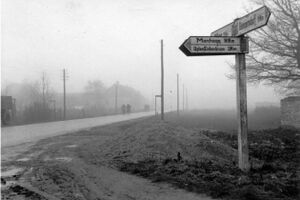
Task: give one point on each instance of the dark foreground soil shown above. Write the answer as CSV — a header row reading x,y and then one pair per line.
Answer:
x,y
274,172
102,163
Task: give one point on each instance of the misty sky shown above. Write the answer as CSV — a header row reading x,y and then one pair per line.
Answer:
x,y
119,40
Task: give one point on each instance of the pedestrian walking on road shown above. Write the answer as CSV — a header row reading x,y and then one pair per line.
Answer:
x,y
123,109
128,108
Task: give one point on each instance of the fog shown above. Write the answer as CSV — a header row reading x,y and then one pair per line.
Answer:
x,y
119,40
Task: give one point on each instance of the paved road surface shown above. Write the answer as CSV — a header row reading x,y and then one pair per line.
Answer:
x,y
15,135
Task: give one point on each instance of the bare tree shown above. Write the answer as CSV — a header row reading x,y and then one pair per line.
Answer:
x,y
46,92
274,56
95,95
95,87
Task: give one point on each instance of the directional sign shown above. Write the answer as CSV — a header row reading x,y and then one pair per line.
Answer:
x,y
207,45
224,31
245,24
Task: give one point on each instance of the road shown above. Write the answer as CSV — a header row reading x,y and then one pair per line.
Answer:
x,y
106,183
15,135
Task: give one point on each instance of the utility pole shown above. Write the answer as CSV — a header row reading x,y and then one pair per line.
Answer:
x,y
186,99
116,96
64,81
44,88
162,79
178,95
182,97
155,105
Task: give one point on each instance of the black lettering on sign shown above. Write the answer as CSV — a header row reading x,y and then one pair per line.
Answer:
x,y
228,40
232,49
243,25
209,40
208,48
260,18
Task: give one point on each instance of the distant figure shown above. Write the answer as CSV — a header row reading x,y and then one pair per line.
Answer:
x,y
128,108
123,109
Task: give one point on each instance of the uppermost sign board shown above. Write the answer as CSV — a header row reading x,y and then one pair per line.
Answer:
x,y
245,24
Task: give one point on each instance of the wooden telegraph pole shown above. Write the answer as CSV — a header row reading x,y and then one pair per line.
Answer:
x,y
182,97
116,97
186,99
64,81
177,94
155,105
230,40
162,80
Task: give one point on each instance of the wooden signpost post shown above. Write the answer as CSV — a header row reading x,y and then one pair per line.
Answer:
x,y
230,40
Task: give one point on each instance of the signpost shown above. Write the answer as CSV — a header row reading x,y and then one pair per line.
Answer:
x,y
224,31
245,24
224,41
207,45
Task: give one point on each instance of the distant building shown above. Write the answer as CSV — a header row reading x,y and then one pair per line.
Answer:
x,y
290,111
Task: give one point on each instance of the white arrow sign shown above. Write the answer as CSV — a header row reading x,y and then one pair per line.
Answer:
x,y
206,45
245,24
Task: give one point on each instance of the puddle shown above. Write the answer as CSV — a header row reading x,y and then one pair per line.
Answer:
x,y
71,146
8,184
10,153
11,172
23,159
64,159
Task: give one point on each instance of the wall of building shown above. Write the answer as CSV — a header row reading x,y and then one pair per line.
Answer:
x,y
290,111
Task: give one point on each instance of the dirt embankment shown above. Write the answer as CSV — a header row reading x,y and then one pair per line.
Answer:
x,y
84,165
274,158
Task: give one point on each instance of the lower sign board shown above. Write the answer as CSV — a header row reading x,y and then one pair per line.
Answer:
x,y
207,45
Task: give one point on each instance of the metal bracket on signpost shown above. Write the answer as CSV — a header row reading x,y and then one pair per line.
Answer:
x,y
245,44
